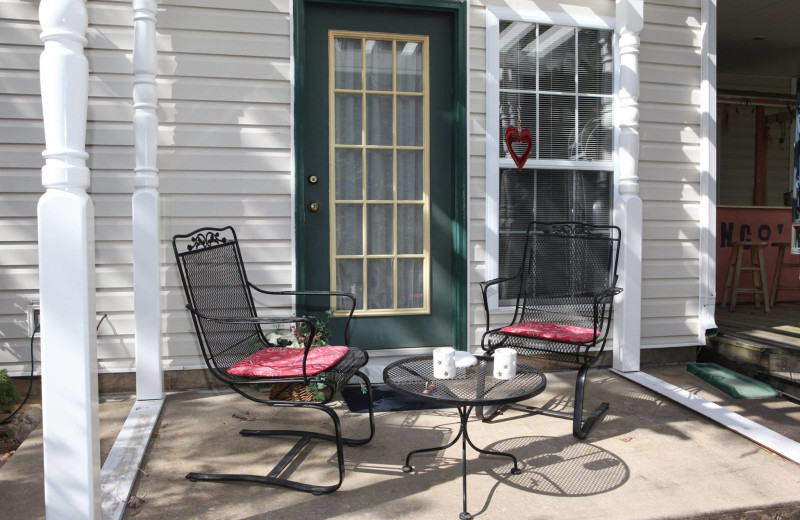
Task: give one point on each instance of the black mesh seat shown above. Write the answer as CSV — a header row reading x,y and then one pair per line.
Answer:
x,y
566,288
220,300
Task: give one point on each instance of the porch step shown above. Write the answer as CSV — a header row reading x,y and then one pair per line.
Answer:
x,y
772,363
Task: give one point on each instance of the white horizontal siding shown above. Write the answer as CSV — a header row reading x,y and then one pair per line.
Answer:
x,y
224,157
669,171
21,146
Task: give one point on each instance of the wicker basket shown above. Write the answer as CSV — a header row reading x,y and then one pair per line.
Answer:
x,y
290,392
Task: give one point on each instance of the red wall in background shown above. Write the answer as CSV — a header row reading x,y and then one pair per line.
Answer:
x,y
769,225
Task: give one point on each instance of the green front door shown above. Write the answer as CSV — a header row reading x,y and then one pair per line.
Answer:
x,y
380,184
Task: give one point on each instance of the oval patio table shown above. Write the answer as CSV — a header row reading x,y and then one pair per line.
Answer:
x,y
472,386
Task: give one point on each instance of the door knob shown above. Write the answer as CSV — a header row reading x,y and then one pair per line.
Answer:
x,y
313,207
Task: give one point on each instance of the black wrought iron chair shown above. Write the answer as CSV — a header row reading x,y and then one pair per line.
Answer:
x,y
566,288
236,350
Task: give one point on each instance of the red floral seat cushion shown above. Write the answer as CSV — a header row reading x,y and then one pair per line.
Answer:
x,y
553,331
287,362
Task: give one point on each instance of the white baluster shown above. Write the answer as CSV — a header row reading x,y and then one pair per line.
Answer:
x,y
66,271
628,208
146,210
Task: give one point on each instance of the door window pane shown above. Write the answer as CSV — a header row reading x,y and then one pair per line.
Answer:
x,y
409,121
409,67
379,119
348,229
409,282
348,119
380,229
348,174
409,175
380,184
350,278
348,63
380,283
379,65
410,229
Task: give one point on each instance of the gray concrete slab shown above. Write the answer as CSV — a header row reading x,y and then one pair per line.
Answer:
x,y
646,458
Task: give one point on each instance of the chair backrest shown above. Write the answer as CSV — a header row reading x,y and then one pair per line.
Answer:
x,y
564,265
215,283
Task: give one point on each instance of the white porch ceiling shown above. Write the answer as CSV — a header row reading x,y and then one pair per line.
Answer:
x,y
741,25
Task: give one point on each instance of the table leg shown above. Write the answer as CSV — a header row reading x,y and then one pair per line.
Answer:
x,y
408,468
515,471
464,414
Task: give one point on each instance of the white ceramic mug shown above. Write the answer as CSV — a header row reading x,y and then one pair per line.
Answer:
x,y
444,363
505,363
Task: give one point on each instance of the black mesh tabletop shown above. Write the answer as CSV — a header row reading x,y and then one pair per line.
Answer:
x,y
472,386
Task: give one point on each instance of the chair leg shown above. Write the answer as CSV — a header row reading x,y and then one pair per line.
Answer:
x,y
364,440
489,413
272,478
736,275
729,279
580,427
762,272
776,281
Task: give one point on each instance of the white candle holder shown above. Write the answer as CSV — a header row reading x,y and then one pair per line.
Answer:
x,y
444,363
504,364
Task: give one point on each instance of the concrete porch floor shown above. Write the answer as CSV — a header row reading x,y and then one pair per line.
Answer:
x,y
647,458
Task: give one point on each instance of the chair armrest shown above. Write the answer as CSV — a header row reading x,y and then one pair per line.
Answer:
x,y
264,320
254,320
488,283
606,294
351,296
484,289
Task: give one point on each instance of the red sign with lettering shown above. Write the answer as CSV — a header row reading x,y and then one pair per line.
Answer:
x,y
771,225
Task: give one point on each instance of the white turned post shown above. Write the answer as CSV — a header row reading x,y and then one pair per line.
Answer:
x,y
628,207
66,271
146,211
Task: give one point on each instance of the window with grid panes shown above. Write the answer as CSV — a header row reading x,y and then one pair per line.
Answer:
x,y
556,81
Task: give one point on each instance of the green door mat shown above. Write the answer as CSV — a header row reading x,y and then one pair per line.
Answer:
x,y
732,383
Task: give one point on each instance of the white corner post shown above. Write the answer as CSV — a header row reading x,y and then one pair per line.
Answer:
x,y
146,211
66,271
628,206
708,171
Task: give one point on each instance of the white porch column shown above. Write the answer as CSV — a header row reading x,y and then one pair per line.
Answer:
x,y
146,211
628,208
66,271
708,169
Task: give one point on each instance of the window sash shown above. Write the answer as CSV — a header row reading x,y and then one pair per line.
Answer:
x,y
495,163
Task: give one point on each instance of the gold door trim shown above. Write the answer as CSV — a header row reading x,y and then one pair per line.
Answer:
x,y
364,309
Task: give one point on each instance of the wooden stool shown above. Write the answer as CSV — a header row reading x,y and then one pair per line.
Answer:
x,y
779,265
735,269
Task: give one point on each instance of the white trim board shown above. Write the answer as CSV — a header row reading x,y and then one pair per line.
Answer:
x,y
122,464
767,438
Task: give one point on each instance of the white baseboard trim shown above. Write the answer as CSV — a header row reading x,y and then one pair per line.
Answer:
x,y
767,438
122,464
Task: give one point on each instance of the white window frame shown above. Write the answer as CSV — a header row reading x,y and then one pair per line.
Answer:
x,y
494,15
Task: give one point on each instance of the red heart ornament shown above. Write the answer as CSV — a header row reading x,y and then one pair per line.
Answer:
x,y
519,135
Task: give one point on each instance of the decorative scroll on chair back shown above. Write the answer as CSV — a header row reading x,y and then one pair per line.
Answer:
x,y
215,283
565,264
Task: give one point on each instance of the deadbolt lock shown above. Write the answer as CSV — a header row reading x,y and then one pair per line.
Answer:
x,y
313,179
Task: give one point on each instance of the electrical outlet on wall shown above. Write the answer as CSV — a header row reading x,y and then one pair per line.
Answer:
x,y
33,316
